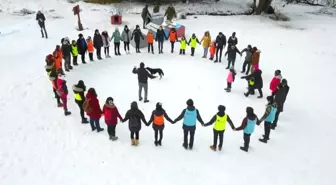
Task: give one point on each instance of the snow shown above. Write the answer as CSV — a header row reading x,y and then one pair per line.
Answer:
x,y
39,145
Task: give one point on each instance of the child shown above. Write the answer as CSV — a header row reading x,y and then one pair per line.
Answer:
x,y
189,115
212,50
230,79
150,40
157,118
117,38
52,74
232,53
269,117
220,120
90,47
206,43
57,54
111,115
275,81
74,52
248,125
193,42
183,45
62,92
172,38
106,44
135,116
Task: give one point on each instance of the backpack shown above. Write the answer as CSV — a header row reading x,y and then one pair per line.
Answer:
x,y
86,106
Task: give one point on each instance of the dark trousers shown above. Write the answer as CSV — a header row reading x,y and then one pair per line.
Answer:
x,y
98,52
186,132
251,91
275,122
111,130
182,51
137,45
220,50
83,57
231,61
267,128
247,140
217,134
67,62
192,51
117,48
74,60
107,51
248,64
126,46
136,134
229,85
91,56
160,44
43,31
150,47
95,124
172,46
158,135
81,110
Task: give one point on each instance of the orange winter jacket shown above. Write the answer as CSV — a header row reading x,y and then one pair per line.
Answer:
x,y
90,46
212,48
255,57
150,38
58,59
172,36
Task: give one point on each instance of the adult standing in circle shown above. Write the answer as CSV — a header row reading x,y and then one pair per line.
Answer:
x,y
98,43
82,47
143,76
136,35
79,90
160,37
220,45
126,38
41,21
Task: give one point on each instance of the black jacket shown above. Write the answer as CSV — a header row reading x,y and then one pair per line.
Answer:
x,y
40,18
258,81
143,75
181,116
220,41
280,97
97,41
66,50
232,53
82,46
136,35
135,116
160,36
232,41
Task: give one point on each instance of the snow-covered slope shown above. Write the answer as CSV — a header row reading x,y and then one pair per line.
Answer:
x,y
40,146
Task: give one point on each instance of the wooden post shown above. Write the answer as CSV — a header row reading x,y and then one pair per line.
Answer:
x,y
76,11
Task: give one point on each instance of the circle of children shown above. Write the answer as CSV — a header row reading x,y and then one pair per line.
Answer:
x,y
89,103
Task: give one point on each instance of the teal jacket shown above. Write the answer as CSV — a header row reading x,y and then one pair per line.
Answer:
x,y
116,36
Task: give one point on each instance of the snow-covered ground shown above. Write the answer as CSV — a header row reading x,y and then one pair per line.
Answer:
x,y
39,146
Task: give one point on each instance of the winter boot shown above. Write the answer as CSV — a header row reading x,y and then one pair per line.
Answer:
x,y
136,142
133,142
140,99
85,121
244,149
220,148
114,138
146,101
156,143
67,113
110,137
260,97
185,146
212,147
216,61
59,105
190,147
159,143
264,137
100,129
264,140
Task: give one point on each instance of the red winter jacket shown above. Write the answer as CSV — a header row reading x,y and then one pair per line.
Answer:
x,y
111,114
60,88
274,83
94,103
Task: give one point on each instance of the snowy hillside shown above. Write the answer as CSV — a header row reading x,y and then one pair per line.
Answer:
x,y
40,146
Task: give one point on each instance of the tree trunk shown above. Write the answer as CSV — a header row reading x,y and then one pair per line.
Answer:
x,y
262,6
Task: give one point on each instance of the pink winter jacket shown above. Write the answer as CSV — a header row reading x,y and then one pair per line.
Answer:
x,y
230,77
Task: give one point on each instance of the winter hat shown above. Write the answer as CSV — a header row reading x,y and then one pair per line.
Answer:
x,y
221,108
158,106
80,83
190,102
142,65
277,72
96,30
109,100
134,105
234,34
80,35
73,42
270,99
284,81
220,33
88,38
137,26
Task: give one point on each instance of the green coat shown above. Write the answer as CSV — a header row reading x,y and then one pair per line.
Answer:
x,y
117,37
